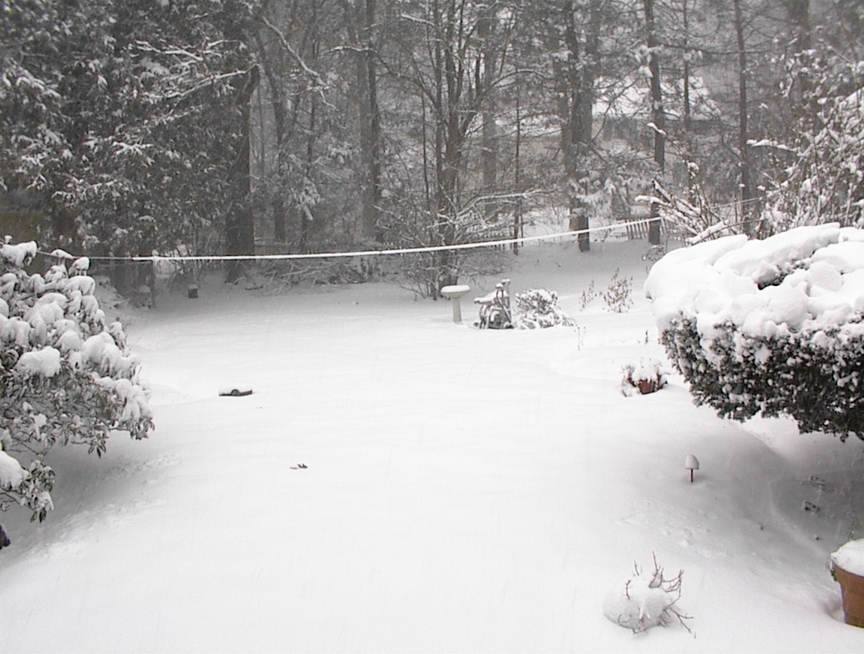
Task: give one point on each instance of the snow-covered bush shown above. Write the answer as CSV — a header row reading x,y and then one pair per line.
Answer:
x,y
618,296
539,308
645,600
769,327
66,376
821,172
587,296
645,377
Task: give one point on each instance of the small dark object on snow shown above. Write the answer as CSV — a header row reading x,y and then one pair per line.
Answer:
x,y
4,539
299,466
235,391
810,507
193,291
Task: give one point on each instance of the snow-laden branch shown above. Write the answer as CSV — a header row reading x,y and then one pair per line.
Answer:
x,y
320,84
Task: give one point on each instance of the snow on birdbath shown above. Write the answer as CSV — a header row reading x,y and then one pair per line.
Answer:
x,y
691,463
453,293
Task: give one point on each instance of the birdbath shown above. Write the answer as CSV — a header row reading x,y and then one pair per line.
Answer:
x,y
453,293
691,464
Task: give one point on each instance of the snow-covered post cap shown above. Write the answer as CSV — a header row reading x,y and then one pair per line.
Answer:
x,y
453,293
691,463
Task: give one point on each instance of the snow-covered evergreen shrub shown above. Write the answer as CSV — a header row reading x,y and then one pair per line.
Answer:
x,y
539,308
66,376
772,327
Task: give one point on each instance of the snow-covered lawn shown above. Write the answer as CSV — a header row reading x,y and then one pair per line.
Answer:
x,y
400,483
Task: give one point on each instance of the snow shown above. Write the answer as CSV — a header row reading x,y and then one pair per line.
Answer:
x,y
457,290
808,278
17,254
640,603
44,362
11,472
398,482
850,557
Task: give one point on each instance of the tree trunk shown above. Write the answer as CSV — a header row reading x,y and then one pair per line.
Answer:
x,y
517,170
743,154
278,105
369,113
576,103
489,154
239,223
658,115
688,132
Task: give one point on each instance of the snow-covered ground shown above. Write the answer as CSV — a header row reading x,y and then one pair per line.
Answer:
x,y
400,483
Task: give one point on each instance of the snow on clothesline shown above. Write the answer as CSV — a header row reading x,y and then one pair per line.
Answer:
x,y
155,258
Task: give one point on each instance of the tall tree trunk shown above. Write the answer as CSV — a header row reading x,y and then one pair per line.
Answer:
x,y
743,154
239,223
489,154
576,104
517,170
688,131
658,114
279,107
366,60
802,101
305,209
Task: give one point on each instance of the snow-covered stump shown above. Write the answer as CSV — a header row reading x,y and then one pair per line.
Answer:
x,y
454,294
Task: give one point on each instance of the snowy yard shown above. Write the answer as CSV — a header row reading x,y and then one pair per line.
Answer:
x,y
400,483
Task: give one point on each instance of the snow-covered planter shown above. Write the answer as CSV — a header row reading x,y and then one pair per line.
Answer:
x,y
647,599
66,376
847,566
539,308
769,327
645,377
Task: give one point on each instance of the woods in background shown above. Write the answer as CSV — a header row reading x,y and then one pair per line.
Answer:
x,y
210,126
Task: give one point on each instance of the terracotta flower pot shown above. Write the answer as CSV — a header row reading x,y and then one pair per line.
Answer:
x,y
852,589
646,386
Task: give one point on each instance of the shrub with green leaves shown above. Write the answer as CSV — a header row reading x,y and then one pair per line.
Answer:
x,y
66,375
538,307
771,327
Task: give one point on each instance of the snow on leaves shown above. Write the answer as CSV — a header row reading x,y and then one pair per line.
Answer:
x,y
769,327
66,376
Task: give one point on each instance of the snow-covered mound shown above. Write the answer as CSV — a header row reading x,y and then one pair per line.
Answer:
x,y
805,279
771,327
